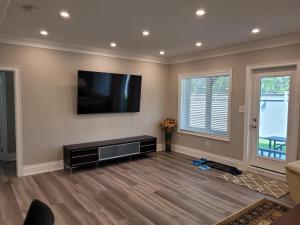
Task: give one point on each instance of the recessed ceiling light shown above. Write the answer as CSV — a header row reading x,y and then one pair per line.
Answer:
x,y
65,14
255,30
198,44
200,12
113,45
162,52
146,33
44,32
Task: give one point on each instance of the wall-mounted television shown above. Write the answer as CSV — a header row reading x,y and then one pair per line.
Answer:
x,y
100,92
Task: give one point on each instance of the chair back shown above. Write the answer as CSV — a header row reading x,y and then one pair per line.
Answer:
x,y
39,214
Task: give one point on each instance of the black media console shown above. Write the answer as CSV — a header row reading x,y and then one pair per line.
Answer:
x,y
79,155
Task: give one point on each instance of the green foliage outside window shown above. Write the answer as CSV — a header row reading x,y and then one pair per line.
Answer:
x,y
275,85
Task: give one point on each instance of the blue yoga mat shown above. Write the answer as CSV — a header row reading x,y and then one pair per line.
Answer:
x,y
199,164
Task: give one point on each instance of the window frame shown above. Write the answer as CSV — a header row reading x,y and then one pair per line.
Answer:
x,y
201,75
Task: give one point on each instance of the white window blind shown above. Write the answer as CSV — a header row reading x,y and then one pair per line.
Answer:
x,y
204,104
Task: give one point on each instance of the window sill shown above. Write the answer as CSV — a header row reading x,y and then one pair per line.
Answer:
x,y
204,135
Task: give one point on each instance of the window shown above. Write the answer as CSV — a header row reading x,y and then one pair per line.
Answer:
x,y
205,105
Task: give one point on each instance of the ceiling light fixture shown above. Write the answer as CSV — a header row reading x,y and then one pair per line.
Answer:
x,y
113,45
146,33
162,52
198,44
65,14
44,32
200,12
255,30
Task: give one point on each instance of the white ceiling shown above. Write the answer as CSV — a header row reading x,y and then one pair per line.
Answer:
x,y
173,24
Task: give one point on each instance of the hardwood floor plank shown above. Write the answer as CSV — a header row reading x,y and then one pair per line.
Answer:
x,y
10,210
156,190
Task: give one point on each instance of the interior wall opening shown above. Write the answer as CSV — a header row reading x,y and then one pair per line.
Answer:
x,y
7,126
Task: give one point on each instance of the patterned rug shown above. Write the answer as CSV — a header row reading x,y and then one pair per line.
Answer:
x,y
263,212
266,185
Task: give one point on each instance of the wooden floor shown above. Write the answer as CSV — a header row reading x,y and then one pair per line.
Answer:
x,y
7,171
163,189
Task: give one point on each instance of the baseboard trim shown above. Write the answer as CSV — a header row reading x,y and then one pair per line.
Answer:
x,y
227,161
202,154
55,165
42,168
58,165
160,147
267,173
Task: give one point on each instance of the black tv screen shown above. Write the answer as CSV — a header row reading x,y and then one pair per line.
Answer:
x,y
108,92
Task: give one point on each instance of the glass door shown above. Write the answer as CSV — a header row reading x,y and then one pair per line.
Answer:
x,y
270,120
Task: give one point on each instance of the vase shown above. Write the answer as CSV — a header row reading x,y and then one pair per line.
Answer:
x,y
168,138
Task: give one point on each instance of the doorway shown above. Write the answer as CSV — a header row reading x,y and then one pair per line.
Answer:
x,y
272,118
7,126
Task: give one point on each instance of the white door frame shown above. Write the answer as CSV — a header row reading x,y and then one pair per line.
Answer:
x,y
18,117
293,107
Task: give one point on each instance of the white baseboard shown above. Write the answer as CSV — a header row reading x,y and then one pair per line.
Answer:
x,y
227,161
160,147
42,168
267,173
202,154
56,165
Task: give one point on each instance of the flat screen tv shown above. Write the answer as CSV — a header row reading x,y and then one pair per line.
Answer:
x,y
108,92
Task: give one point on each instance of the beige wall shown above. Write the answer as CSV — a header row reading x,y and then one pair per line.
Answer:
x,y
48,82
237,62
48,85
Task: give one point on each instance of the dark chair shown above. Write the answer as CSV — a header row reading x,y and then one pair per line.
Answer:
x,y
39,214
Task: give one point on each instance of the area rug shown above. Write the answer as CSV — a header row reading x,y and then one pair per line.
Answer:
x,y
266,185
263,212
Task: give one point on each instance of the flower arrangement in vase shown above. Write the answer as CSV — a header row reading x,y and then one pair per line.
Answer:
x,y
168,125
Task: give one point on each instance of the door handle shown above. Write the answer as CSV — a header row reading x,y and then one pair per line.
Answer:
x,y
253,126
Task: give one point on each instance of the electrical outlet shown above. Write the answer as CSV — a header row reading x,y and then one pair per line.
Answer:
x,y
242,109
